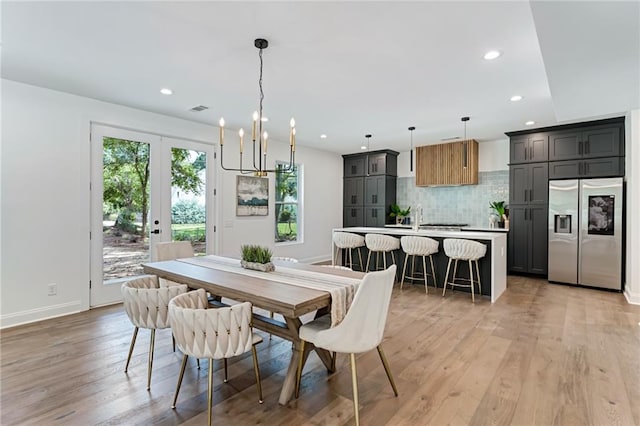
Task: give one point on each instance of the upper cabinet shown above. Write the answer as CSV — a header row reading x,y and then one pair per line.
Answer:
x,y
528,148
588,142
355,165
453,163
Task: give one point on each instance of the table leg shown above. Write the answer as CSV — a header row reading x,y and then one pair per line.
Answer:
x,y
289,385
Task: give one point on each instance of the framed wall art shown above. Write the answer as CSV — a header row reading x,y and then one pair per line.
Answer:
x,y
252,196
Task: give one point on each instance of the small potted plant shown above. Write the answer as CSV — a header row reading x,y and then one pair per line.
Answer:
x,y
399,213
257,258
500,209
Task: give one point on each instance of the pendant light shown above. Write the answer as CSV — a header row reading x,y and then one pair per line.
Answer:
x,y
465,145
411,129
368,136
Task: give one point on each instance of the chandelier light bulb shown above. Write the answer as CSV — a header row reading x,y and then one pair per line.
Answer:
x,y
221,122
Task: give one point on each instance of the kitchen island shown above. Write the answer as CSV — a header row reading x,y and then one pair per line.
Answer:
x,y
493,266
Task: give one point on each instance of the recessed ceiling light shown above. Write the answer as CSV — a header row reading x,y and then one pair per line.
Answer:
x,y
516,98
363,147
492,54
530,123
166,91
323,136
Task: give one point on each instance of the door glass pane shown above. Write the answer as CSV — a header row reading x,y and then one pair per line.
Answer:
x,y
125,207
188,202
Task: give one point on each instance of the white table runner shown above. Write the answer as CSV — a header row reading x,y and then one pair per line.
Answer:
x,y
342,289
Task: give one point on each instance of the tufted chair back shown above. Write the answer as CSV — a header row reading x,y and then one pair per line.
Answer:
x,y
464,249
146,304
210,333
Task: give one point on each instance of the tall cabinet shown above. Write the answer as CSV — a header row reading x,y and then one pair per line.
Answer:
x,y
369,187
575,151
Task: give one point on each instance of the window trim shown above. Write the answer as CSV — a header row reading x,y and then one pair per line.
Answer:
x,y
299,204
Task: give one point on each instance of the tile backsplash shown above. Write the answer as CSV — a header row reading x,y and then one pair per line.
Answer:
x,y
456,204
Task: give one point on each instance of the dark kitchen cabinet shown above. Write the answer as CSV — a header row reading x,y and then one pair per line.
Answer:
x,y
353,216
369,187
529,183
588,142
353,191
355,166
528,148
591,168
528,239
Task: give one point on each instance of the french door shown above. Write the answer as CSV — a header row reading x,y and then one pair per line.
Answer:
x,y
145,188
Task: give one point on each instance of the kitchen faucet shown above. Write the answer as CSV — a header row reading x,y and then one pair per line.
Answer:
x,y
417,216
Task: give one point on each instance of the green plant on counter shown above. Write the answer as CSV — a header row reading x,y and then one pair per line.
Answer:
x,y
396,211
500,208
255,254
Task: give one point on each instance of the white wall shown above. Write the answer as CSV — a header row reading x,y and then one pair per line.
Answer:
x,y
45,197
492,156
632,143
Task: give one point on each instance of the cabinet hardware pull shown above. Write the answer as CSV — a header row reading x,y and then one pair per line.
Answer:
x,y
586,168
580,147
580,168
587,148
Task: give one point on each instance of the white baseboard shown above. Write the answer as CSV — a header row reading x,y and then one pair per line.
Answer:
x,y
632,298
39,314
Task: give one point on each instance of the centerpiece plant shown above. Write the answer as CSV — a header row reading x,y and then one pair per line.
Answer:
x,y
256,257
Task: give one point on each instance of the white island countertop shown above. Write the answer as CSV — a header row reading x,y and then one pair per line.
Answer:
x,y
498,248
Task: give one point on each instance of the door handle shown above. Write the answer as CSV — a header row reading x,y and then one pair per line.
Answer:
x,y
580,147
354,199
587,148
156,231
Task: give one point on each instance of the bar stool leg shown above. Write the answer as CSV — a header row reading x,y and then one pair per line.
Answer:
x,y
424,272
350,257
478,275
404,270
335,258
473,299
433,272
455,272
368,259
384,259
446,277
359,257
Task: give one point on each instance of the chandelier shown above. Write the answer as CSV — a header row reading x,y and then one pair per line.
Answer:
x,y
259,167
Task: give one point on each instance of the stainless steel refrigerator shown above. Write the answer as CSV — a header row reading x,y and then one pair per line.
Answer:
x,y
585,232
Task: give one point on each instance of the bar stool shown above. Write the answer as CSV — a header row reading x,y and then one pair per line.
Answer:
x,y
471,251
378,243
423,247
348,241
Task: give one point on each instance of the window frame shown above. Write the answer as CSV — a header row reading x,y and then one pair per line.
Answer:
x,y
298,203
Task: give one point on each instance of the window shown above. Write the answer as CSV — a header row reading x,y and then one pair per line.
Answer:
x,y
288,225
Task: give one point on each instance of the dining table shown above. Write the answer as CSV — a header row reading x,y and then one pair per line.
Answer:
x,y
292,290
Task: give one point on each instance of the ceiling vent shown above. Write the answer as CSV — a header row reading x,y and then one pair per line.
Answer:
x,y
199,108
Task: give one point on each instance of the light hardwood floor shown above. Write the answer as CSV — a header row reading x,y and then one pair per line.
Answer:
x,y
543,354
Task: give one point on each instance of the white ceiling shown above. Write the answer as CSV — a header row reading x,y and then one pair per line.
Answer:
x,y
341,68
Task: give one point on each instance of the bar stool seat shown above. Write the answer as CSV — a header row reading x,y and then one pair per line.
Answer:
x,y
348,241
381,244
423,247
465,250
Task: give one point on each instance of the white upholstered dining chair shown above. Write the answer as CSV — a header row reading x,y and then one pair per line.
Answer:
x,y
147,306
213,333
171,250
360,331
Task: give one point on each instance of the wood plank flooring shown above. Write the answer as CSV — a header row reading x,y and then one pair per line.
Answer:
x,y
544,354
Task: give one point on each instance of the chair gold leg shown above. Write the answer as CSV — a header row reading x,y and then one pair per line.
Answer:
x,y
387,370
446,277
184,364
350,258
473,297
433,272
210,392
368,259
333,362
133,343
256,370
151,344
354,381
360,258
478,275
299,372
198,362
424,273
226,377
173,340
404,270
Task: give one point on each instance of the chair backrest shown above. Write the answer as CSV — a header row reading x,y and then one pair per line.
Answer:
x,y
421,246
210,333
172,250
380,242
457,248
362,328
348,240
146,304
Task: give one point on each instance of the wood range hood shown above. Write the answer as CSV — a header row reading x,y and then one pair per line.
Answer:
x,y
447,164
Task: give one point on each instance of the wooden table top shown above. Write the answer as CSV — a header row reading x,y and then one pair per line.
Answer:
x,y
286,299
